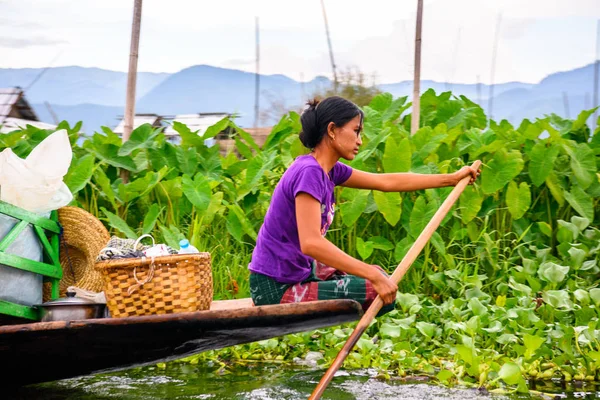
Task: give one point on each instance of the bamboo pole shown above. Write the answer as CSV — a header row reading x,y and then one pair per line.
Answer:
x,y
493,68
396,277
416,104
257,80
335,78
131,77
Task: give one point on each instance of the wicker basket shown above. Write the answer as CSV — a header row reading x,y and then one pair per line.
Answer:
x,y
167,284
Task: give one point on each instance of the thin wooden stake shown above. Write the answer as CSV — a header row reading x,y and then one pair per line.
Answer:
x,y
596,73
416,103
131,77
396,277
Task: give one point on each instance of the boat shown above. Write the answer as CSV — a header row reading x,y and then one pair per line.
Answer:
x,y
47,351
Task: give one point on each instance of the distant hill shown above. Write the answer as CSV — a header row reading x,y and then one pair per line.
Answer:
x,y
97,96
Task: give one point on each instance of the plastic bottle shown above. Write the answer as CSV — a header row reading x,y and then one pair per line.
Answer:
x,y
186,248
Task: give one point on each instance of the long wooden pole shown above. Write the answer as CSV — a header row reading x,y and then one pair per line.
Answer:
x,y
493,68
257,80
596,73
416,103
335,77
132,77
396,277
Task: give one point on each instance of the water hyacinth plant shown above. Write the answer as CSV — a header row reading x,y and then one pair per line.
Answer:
x,y
506,290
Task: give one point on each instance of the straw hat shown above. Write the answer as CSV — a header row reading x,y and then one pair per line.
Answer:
x,y
83,238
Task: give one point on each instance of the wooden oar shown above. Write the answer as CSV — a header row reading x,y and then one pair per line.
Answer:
x,y
401,269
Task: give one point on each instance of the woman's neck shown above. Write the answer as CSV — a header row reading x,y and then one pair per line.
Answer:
x,y
325,157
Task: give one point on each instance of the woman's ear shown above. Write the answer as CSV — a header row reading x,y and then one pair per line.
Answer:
x,y
331,130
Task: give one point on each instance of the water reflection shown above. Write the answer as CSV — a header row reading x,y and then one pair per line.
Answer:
x,y
262,382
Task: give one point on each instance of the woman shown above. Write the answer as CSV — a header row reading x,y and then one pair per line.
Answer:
x,y
292,260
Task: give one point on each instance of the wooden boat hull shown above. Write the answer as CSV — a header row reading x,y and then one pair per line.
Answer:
x,y
48,351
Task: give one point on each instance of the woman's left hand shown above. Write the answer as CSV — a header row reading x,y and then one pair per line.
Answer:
x,y
467,171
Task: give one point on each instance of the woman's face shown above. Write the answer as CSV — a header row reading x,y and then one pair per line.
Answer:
x,y
346,140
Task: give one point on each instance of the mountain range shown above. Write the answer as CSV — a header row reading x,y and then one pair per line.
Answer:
x,y
97,97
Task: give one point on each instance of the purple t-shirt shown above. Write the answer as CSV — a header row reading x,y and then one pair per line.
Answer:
x,y
277,253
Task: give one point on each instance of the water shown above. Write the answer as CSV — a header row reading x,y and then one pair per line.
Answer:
x,y
259,382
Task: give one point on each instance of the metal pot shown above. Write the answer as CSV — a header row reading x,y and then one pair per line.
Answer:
x,y
70,308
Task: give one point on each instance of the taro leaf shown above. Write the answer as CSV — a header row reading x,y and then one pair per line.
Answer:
x,y
503,168
188,160
368,150
215,129
470,204
197,191
494,327
355,204
172,236
390,330
141,138
558,299
118,223
595,296
506,338
545,228
518,199
381,102
402,248
583,116
243,148
465,353
150,218
583,164
519,287
234,227
390,205
257,167
365,249
243,220
551,272
142,186
581,202
532,343
438,243
188,138
80,172
397,156
421,215
381,243
567,231
104,183
541,162
395,109
427,329
555,188
248,139
444,375
510,373
108,153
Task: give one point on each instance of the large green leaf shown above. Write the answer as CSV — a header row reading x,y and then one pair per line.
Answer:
x,y
390,205
504,167
150,219
215,129
510,373
355,204
118,223
141,138
470,203
581,202
422,213
80,172
197,191
552,272
555,188
583,163
188,160
243,220
188,138
541,162
381,102
397,156
518,199
365,249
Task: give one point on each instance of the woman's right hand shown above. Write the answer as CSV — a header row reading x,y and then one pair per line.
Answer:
x,y
385,288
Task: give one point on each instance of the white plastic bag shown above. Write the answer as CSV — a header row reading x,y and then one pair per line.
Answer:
x,y
36,183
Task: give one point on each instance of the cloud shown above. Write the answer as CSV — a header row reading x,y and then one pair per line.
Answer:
x,y
18,43
14,23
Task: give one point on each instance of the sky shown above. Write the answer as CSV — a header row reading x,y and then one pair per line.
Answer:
x,y
535,37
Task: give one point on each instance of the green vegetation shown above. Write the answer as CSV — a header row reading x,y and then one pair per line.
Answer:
x,y
506,290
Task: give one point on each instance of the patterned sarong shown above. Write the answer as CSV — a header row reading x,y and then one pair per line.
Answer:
x,y
324,283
